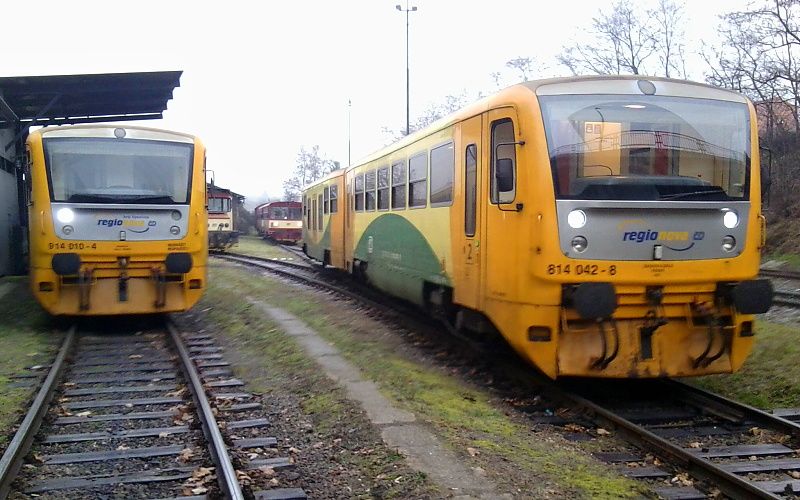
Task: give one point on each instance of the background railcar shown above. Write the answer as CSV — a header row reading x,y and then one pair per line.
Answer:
x,y
324,211
222,233
117,219
604,226
280,220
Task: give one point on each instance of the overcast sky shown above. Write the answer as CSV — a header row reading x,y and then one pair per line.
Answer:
x,y
261,79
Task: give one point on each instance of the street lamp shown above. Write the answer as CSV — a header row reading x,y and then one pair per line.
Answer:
x,y
408,112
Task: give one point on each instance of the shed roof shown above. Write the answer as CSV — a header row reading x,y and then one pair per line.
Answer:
x,y
67,99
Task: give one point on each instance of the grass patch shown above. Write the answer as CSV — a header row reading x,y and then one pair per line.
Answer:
x,y
770,378
789,260
258,247
463,416
25,340
282,367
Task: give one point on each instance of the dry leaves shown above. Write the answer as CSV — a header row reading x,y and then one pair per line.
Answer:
x,y
602,432
682,479
186,454
473,452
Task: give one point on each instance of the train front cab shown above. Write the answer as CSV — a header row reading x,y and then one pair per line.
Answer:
x,y
222,234
323,220
616,275
90,258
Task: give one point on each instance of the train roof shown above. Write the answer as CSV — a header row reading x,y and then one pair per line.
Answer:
x,y
214,191
593,84
79,130
332,175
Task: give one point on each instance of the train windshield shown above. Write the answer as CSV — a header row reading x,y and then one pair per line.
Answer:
x,y
620,147
285,213
100,170
219,205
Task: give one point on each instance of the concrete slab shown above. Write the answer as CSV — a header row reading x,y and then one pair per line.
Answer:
x,y
422,449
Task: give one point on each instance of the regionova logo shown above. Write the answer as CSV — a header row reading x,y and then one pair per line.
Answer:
x,y
133,224
679,241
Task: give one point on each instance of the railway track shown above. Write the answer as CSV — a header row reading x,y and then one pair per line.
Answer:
x,y
725,446
129,416
739,450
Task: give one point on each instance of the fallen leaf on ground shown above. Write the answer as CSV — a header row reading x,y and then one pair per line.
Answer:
x,y
602,432
473,452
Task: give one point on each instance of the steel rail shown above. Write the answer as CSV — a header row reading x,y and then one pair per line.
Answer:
x,y
267,260
775,273
11,460
730,484
722,406
226,474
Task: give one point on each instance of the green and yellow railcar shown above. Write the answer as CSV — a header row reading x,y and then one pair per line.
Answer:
x,y
604,226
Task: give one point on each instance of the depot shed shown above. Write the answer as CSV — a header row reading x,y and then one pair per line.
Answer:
x,y
28,101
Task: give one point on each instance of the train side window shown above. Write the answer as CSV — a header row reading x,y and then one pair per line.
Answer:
x,y
418,180
360,193
334,194
442,175
503,133
308,212
470,188
319,212
383,188
313,215
326,200
369,182
399,185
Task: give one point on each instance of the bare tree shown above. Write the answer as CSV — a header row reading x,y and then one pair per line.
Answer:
x,y
624,39
630,39
525,65
310,167
668,36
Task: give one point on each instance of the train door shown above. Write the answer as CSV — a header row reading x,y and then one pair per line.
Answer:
x,y
467,250
503,228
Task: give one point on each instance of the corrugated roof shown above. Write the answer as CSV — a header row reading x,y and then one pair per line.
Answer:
x,y
67,99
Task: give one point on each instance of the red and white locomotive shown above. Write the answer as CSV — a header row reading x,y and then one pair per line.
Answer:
x,y
280,220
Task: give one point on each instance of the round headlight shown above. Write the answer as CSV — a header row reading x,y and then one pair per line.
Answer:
x,y
730,219
176,215
728,243
65,215
67,230
576,219
175,230
579,243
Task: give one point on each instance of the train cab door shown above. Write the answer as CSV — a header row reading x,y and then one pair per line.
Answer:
x,y
468,249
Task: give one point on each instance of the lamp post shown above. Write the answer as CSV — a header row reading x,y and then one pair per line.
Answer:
x,y
349,110
408,109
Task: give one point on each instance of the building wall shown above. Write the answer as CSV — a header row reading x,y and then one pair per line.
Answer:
x,y
9,206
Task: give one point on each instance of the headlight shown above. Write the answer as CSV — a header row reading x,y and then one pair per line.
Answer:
x,y
175,230
67,230
579,244
730,219
728,243
65,215
576,219
176,215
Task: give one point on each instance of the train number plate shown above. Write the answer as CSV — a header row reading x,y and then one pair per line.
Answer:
x,y
72,245
581,269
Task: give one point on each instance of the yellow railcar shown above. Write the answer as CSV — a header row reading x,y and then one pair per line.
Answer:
x,y
324,211
604,226
118,220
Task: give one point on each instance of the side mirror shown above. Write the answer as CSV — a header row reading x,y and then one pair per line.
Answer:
x,y
504,175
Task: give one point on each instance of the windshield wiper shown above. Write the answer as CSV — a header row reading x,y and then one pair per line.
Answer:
x,y
675,196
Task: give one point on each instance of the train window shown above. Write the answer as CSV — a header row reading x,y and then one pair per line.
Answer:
x,y
313,214
418,180
334,193
360,193
442,174
327,200
470,188
308,212
369,181
383,188
399,185
502,149
319,212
